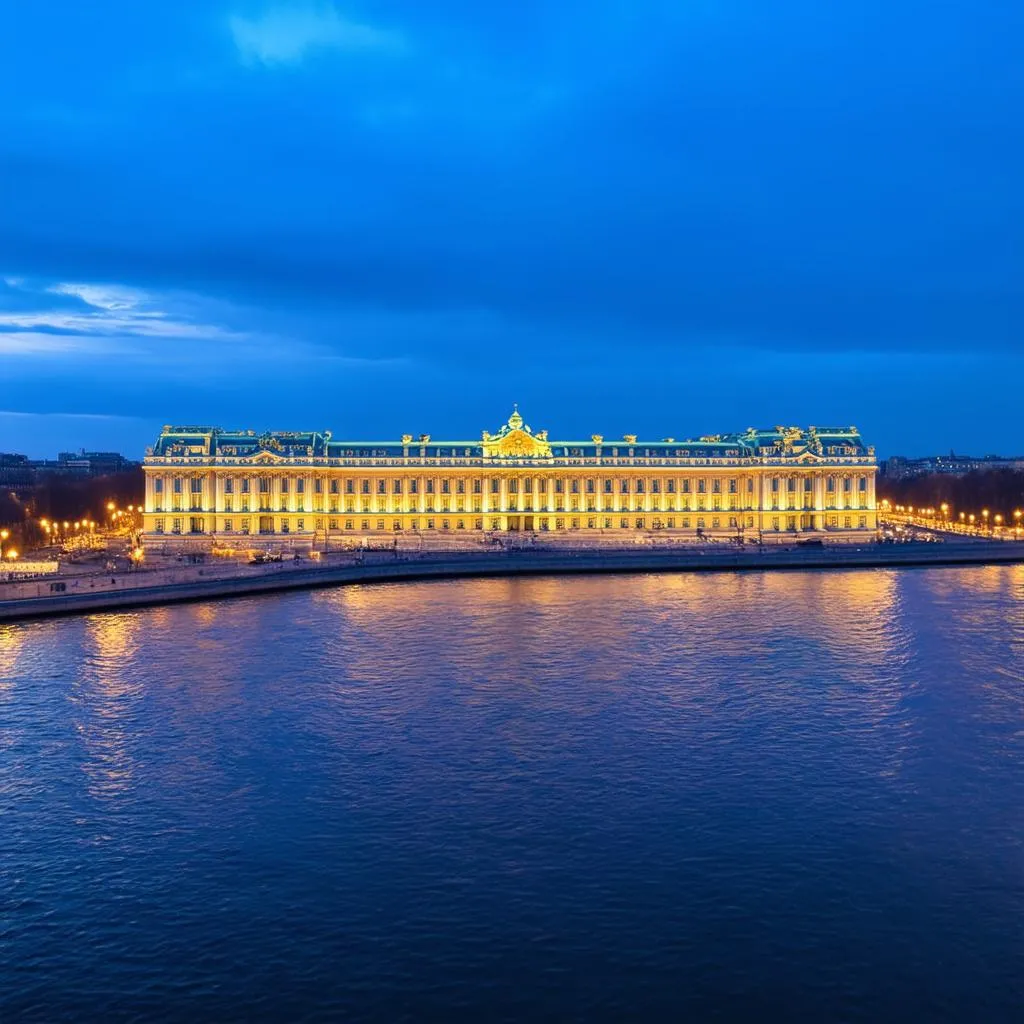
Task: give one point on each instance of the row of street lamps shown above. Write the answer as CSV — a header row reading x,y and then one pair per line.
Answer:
x,y
966,522
75,530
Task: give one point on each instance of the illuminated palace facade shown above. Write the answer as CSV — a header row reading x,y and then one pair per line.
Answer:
x,y
207,487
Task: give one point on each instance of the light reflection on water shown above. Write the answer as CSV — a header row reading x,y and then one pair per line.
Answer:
x,y
794,794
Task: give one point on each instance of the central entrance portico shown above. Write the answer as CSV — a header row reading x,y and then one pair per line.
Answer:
x,y
521,524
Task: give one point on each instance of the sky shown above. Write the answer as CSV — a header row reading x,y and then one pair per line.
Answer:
x,y
379,218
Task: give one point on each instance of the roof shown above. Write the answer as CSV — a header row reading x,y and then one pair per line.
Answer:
x,y
514,439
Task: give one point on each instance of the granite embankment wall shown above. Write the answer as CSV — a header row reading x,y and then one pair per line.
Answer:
x,y
104,592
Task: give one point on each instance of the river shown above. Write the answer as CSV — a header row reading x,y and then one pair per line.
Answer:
x,y
741,796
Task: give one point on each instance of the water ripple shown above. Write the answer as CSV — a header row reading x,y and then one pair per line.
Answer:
x,y
718,797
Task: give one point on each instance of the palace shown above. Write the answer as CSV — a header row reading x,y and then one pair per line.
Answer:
x,y
299,490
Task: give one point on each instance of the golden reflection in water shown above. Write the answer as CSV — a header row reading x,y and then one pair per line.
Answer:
x,y
851,614
685,642
12,643
106,695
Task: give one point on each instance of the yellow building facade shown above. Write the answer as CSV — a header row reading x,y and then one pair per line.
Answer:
x,y
207,487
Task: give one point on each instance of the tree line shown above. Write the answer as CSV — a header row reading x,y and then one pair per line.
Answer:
x,y
1001,491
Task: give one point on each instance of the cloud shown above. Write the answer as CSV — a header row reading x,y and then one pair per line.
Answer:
x,y
102,416
284,35
97,319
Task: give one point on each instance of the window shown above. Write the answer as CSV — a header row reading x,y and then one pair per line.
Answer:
x,y
284,485
227,525
862,483
670,486
775,485
160,526
318,485
300,485
624,487
414,487
430,487
607,487
300,525
700,486
686,487
264,485
229,486
245,526
177,485
245,485
445,487
716,486
364,486
495,486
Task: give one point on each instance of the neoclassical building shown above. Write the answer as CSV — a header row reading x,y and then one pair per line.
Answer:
x,y
206,487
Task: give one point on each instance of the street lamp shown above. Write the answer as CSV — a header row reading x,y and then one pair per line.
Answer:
x,y
4,534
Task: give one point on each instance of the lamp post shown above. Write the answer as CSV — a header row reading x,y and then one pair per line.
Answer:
x,y
984,515
4,534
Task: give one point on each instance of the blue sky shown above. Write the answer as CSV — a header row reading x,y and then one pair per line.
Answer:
x,y
396,217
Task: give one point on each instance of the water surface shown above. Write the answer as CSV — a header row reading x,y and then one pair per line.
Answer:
x,y
726,797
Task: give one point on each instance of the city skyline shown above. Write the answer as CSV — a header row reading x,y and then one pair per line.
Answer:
x,y
630,220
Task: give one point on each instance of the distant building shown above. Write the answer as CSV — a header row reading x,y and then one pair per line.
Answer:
x,y
296,489
94,463
20,471
899,467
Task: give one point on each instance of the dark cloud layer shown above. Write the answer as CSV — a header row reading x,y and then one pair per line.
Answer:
x,y
771,194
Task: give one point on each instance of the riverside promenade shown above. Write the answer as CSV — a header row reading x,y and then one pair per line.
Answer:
x,y
106,591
